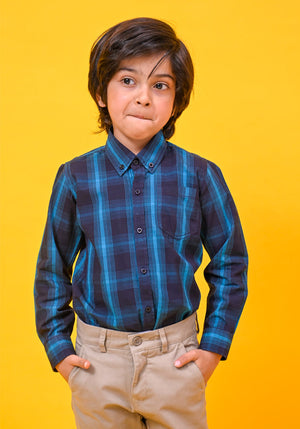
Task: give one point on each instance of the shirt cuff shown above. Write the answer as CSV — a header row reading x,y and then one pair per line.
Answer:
x,y
216,341
57,349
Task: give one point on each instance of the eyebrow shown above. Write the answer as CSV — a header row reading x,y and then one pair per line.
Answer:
x,y
160,75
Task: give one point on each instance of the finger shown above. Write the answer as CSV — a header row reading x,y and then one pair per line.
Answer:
x,y
185,358
80,362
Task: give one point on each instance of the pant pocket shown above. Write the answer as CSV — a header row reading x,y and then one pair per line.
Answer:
x,y
189,344
80,351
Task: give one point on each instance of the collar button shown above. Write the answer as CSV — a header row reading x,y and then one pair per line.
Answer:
x,y
151,165
121,167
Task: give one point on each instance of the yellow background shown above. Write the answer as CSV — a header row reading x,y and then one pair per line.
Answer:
x,y
243,116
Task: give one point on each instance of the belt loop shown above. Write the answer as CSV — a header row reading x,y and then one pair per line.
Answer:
x,y
164,341
102,340
197,324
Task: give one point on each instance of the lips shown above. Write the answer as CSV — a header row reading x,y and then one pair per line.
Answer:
x,y
137,116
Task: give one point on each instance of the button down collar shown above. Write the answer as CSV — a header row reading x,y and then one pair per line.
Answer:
x,y
150,156
118,154
153,152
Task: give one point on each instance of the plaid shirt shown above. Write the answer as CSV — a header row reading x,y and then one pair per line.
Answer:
x,y
137,224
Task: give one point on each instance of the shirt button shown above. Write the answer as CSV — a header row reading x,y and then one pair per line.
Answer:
x,y
143,270
137,341
139,230
137,192
151,165
121,167
148,309
136,161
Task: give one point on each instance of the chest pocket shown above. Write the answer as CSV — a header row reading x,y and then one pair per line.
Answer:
x,y
179,214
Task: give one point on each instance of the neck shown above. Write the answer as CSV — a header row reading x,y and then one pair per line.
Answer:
x,y
135,146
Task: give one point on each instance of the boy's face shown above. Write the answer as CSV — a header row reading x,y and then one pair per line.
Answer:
x,y
140,99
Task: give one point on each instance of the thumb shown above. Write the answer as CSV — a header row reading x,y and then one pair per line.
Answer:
x,y
185,358
80,362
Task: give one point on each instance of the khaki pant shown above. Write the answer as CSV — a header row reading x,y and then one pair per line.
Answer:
x,y
132,382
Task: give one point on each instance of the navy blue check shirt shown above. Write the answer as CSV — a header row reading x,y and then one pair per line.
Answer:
x,y
137,225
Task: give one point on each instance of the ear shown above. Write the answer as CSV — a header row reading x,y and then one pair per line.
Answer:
x,y
100,101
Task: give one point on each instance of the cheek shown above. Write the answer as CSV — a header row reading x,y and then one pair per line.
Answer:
x,y
117,102
166,109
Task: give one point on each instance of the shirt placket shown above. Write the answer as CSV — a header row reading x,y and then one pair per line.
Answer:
x,y
141,244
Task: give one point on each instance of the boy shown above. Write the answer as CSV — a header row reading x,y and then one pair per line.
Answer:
x,y
136,212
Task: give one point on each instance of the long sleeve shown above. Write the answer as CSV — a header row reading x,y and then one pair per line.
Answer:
x,y
226,274
53,289
139,246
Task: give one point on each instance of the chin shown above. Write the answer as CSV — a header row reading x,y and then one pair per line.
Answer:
x,y
141,136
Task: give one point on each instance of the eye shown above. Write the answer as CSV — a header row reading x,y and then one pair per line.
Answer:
x,y
127,81
161,85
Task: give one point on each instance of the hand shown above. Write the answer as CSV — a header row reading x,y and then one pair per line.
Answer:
x,y
205,361
65,366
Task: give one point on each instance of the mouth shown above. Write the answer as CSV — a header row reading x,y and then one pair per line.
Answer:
x,y
144,118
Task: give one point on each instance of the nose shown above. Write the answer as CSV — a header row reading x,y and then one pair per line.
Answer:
x,y
143,97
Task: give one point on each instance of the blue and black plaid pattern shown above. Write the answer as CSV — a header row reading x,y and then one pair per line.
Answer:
x,y
137,224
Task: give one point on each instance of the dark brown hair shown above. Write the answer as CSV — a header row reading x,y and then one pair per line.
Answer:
x,y
133,38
